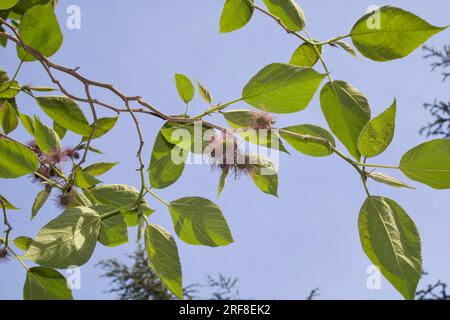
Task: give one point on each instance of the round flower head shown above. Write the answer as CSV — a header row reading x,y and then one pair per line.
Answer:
x,y
71,153
4,255
261,120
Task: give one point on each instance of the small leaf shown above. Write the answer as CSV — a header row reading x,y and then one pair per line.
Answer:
x,y
16,160
308,147
344,45
27,123
265,176
119,196
384,178
204,93
6,203
9,89
40,30
185,87
66,113
99,168
378,133
67,240
60,130
46,284
289,12
282,88
167,162
187,136
347,111
113,231
104,125
46,138
429,163
222,181
23,243
390,33
8,118
199,221
235,15
163,255
131,216
84,180
40,200
306,55
390,239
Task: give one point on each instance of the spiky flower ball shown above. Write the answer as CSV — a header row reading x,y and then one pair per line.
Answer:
x,y
4,255
71,153
261,120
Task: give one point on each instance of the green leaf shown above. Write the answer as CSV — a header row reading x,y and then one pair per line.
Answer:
x,y
265,175
163,255
3,76
163,170
9,90
24,5
40,200
187,136
84,180
306,55
204,93
397,34
199,221
282,88
16,160
344,45
378,133
235,15
104,125
222,181
46,284
8,118
46,138
347,111
7,204
113,231
131,216
308,147
7,4
60,130
244,119
99,168
384,178
40,30
185,87
390,239
68,240
66,113
23,243
289,12
429,163
27,123
119,196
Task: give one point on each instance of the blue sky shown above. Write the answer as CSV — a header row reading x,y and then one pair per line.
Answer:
x,y
284,247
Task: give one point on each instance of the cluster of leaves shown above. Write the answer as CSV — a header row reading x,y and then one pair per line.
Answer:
x,y
96,212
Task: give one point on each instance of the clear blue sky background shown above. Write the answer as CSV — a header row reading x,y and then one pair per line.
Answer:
x,y
284,247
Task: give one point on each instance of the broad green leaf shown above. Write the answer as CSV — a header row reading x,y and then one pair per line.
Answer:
x,y
104,125
9,90
99,168
119,196
244,119
27,123
113,231
8,205
185,87
40,200
46,284
289,12
60,130
308,147
204,93
167,162
46,138
199,221
347,111
429,163
23,243
68,240
378,133
344,45
66,113
40,30
235,15
306,55
24,5
190,137
7,4
84,180
390,239
8,117
265,176
386,179
16,160
163,255
80,199
222,181
390,33
282,88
